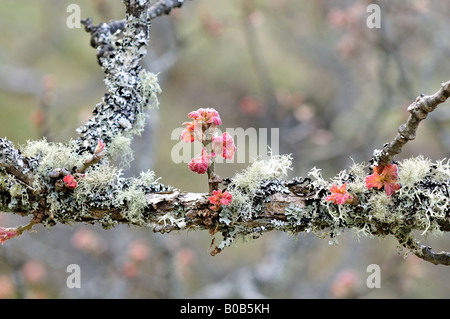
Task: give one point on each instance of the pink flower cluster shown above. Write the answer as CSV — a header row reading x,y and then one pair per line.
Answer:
x,y
224,145
386,177
339,195
218,199
201,163
203,121
100,150
201,129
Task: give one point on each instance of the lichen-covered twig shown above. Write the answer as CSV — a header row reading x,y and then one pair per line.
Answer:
x,y
262,201
122,108
14,163
419,110
442,258
425,252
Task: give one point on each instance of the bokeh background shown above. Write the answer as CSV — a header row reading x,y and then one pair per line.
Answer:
x,y
334,88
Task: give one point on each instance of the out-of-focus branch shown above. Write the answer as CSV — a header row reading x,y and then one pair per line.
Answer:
x,y
164,7
419,110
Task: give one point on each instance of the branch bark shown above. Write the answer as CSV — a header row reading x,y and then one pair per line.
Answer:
x,y
30,186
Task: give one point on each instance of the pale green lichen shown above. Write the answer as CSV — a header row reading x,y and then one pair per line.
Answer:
x,y
101,186
413,170
133,198
51,156
381,209
149,87
318,180
421,203
148,178
96,187
16,189
246,182
242,188
260,170
171,219
359,172
441,170
119,149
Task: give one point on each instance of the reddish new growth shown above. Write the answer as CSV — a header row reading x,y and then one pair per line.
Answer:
x,y
387,177
224,145
203,121
218,199
201,163
8,233
70,182
339,195
202,129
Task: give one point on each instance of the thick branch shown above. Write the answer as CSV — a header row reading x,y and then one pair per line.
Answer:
x,y
293,206
121,108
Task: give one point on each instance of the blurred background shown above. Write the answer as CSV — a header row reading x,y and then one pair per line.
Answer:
x,y
334,88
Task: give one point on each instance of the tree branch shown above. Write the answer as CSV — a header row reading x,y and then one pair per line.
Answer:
x,y
419,110
425,252
33,180
14,163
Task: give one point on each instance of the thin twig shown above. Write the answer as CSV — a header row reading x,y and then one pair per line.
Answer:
x,y
163,7
425,252
419,110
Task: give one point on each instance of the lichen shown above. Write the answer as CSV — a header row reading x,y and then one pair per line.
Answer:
x,y
149,88
245,183
248,201
358,171
172,219
102,186
50,156
420,204
17,190
441,170
413,170
132,198
260,170
119,149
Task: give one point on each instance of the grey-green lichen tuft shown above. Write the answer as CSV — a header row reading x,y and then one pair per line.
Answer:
x,y
101,188
250,188
422,203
